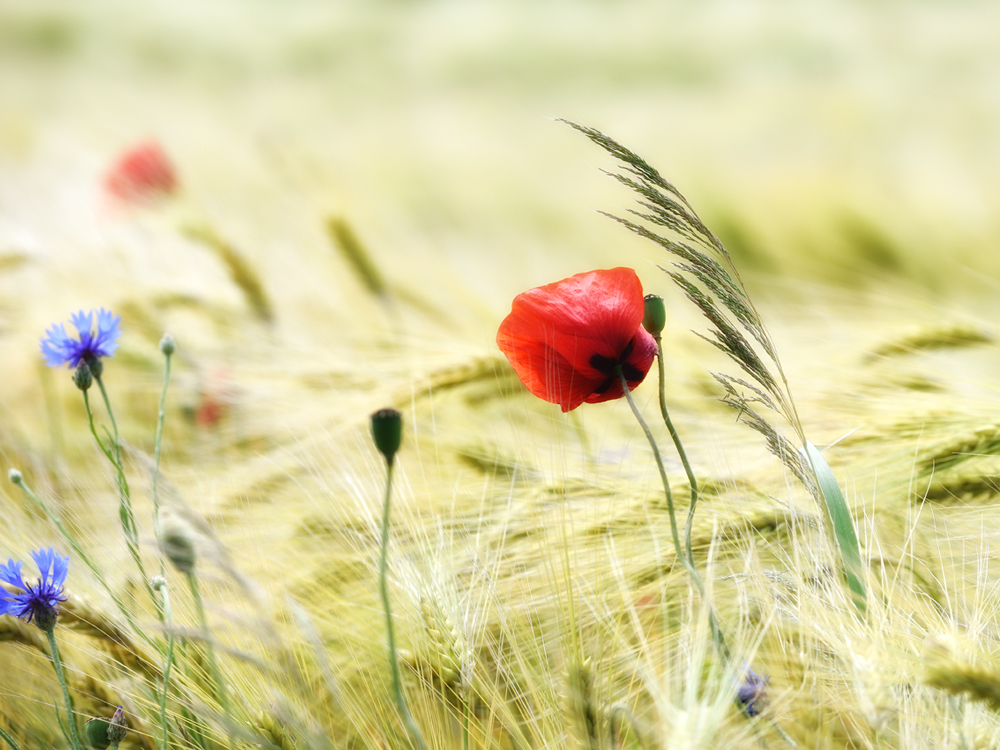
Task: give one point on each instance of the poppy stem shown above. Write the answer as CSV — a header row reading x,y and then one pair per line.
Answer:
x,y
692,482
397,680
717,637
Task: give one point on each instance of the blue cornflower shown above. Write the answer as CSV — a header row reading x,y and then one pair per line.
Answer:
x,y
59,348
38,602
751,692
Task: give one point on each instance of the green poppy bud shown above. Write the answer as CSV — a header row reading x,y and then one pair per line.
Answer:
x,y
656,314
387,431
15,476
83,378
177,542
97,733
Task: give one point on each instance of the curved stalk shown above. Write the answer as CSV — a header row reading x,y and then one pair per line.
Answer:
x,y
717,637
692,482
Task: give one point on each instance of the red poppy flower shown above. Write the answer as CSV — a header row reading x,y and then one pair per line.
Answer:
x,y
141,174
565,339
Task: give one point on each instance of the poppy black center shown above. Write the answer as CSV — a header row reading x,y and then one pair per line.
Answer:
x,y
607,365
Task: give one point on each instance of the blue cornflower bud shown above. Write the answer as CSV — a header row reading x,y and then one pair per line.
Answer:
x,y
117,729
167,345
751,693
83,377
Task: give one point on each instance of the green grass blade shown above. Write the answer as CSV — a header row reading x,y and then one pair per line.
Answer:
x,y
9,740
840,519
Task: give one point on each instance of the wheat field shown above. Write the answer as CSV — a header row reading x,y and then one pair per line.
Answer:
x,y
362,189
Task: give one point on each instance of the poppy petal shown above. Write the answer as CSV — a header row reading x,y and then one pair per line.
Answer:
x,y
556,333
542,369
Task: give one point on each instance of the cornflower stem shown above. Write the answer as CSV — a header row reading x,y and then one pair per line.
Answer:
x,y
160,419
397,680
717,637
680,451
167,664
220,686
122,481
57,663
125,513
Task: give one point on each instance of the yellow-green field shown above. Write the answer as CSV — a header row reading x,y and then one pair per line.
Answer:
x,y
363,189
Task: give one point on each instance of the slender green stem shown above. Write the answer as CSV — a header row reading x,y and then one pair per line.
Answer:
x,y
160,419
93,431
465,723
397,680
57,663
125,512
680,452
167,664
114,425
720,642
220,687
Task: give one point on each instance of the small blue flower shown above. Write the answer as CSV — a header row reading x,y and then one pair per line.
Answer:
x,y
59,348
38,602
751,692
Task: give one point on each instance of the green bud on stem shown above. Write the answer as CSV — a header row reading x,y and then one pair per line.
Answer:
x,y
387,431
656,314
83,378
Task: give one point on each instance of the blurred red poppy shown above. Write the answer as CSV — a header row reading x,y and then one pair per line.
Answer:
x,y
565,340
141,174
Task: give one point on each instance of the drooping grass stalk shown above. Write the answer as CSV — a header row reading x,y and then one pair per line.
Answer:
x,y
220,686
717,637
397,680
161,585
57,664
692,482
705,272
